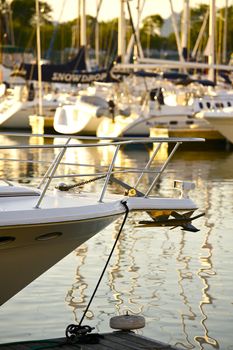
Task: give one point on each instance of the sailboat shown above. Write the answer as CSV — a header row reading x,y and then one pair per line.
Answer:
x,y
175,116
51,72
20,101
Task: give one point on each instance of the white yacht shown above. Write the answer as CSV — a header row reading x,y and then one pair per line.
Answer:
x,y
221,119
41,224
172,108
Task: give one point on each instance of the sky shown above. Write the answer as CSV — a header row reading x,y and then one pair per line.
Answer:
x,y
64,10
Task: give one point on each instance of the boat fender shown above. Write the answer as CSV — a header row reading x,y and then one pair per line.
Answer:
x,y
127,322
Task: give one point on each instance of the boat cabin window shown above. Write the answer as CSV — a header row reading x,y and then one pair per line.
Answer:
x,y
201,105
218,104
208,104
229,104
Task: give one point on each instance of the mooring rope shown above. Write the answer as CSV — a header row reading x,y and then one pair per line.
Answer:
x,y
73,332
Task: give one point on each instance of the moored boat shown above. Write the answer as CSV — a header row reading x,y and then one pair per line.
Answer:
x,y
220,119
39,225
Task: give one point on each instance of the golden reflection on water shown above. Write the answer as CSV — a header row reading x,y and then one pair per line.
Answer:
x,y
206,270
183,275
167,276
76,297
126,297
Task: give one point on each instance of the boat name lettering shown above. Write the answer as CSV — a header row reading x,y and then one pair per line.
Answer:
x,y
78,78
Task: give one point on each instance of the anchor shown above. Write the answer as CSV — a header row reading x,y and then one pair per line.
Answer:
x,y
162,218
182,220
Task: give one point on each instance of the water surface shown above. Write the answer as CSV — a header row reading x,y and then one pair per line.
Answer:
x,y
181,282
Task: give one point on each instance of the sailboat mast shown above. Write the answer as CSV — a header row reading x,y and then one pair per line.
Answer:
x,y
200,35
83,30
39,57
121,32
138,52
224,49
185,28
176,32
99,3
211,56
83,24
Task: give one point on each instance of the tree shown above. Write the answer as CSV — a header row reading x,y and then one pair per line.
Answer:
x,y
23,12
197,17
6,33
108,38
151,26
24,16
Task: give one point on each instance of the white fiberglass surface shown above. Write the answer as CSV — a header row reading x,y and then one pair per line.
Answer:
x,y
54,209
55,199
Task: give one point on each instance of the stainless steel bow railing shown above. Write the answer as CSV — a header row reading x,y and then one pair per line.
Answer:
x,y
100,142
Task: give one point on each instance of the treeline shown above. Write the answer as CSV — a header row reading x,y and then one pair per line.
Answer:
x,y
18,28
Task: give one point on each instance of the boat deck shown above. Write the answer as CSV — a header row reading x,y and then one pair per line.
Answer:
x,y
118,340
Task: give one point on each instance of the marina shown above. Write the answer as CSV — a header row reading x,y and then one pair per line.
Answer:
x,y
116,176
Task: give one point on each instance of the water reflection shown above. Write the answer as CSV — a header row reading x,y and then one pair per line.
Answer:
x,y
97,159
141,276
76,297
205,271
181,282
122,292
24,165
125,287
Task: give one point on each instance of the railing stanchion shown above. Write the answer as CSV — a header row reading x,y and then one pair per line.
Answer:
x,y
162,169
148,164
52,170
109,174
51,166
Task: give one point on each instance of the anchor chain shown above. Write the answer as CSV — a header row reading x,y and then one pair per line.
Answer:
x,y
65,187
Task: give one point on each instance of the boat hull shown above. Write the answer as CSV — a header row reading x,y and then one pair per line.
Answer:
x,y
121,126
17,117
222,123
33,249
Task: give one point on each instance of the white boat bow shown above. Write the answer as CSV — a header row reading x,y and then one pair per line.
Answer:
x,y
41,225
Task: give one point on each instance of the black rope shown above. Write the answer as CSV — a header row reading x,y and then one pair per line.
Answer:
x,y
73,331
106,264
